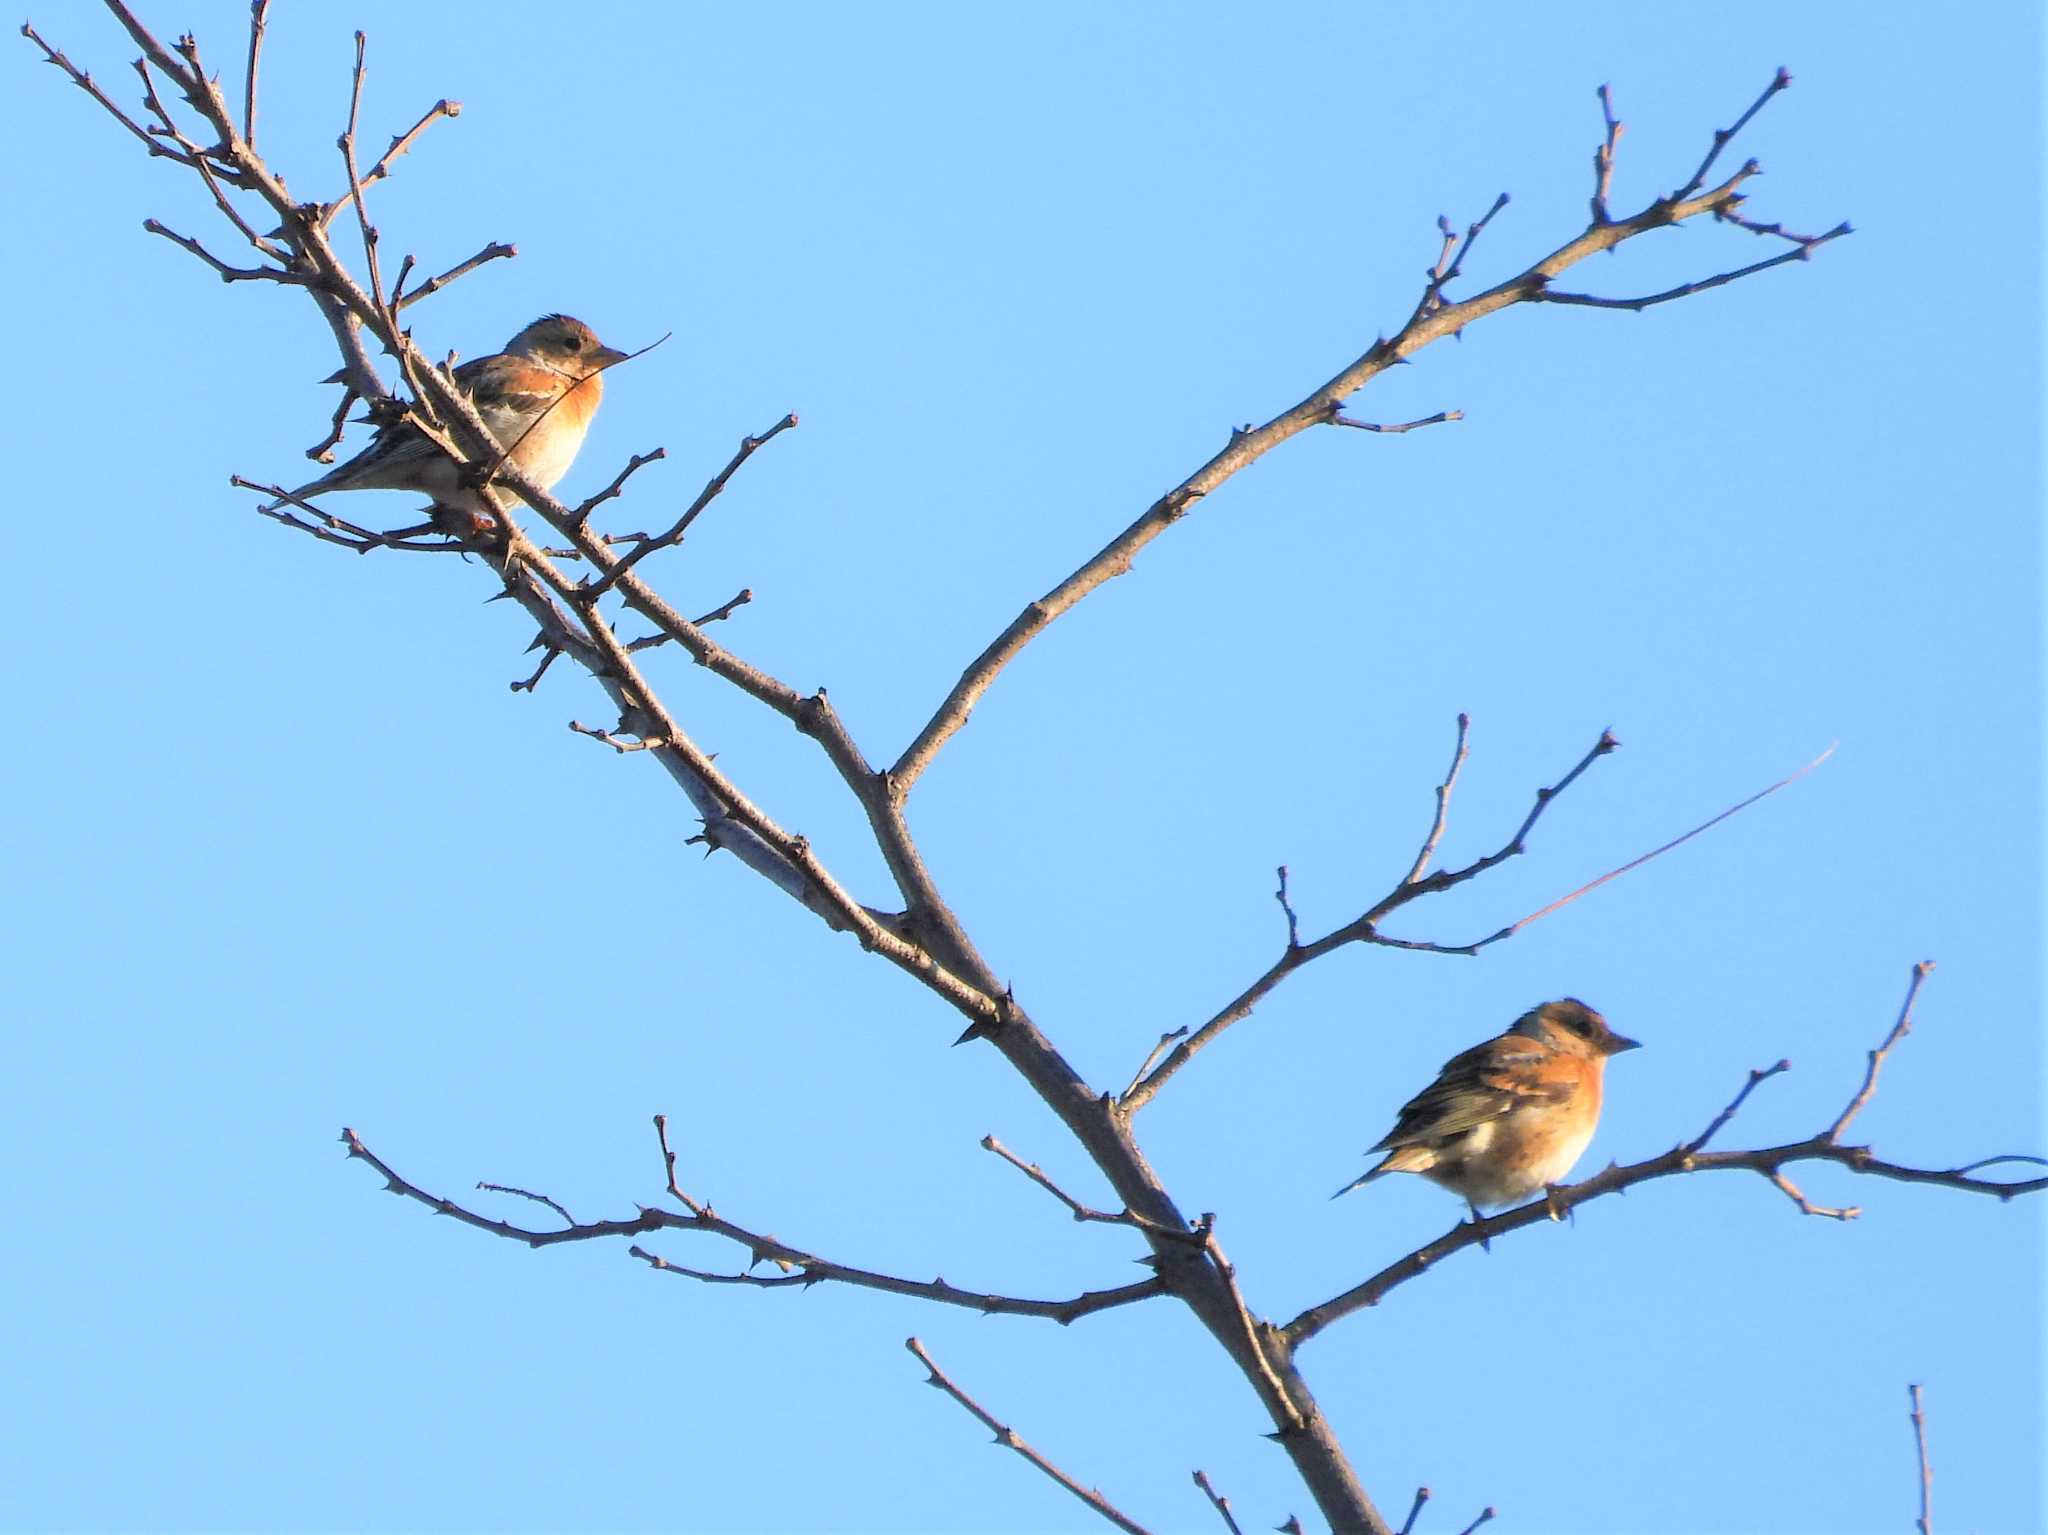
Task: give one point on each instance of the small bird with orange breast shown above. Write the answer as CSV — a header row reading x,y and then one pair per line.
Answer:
x,y
537,397
1509,1117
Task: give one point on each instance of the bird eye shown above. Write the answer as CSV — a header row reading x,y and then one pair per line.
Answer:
x,y
572,343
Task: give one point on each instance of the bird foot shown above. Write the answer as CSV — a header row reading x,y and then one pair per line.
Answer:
x,y
466,522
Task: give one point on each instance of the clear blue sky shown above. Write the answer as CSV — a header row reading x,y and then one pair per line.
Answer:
x,y
286,854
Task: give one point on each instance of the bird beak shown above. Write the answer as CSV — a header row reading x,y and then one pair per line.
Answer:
x,y
1616,1043
605,356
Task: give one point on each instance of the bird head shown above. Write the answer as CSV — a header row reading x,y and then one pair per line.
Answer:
x,y
567,345
1569,1025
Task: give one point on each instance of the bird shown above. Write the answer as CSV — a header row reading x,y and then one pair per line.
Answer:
x,y
537,397
1510,1116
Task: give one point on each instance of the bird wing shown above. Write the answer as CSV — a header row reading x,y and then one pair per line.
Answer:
x,y
511,394
1483,1083
510,390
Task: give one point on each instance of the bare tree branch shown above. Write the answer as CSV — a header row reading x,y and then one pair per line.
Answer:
x,y
592,590
1807,246
1431,321
1421,1493
1009,1439
801,1269
90,86
1365,928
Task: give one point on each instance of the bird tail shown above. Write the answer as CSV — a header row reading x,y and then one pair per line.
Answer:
x,y
1362,1179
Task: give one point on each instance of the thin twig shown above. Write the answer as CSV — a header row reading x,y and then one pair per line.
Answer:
x,y
227,273
801,1269
257,12
1448,271
1157,1050
539,1199
1603,157
323,451
1219,1503
591,591
1925,1523
1803,252
336,530
617,743
90,86
1082,1212
495,251
1339,419
347,144
1723,136
528,684
1485,1514
1443,802
1287,906
1900,1030
382,168
723,611
633,466
1422,1496
1009,1439
1757,1075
